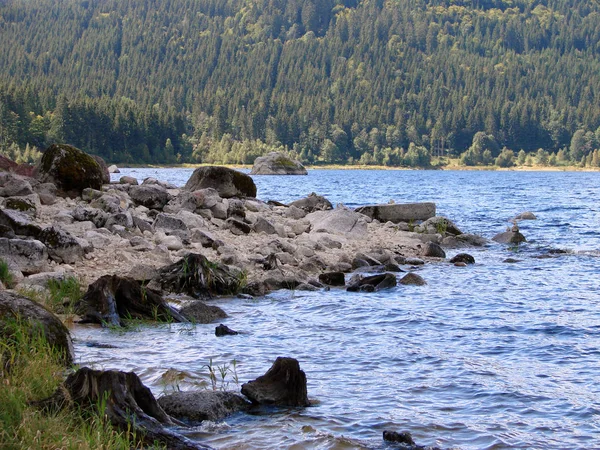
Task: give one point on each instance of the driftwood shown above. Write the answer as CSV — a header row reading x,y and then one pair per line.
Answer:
x,y
284,384
124,401
112,298
197,276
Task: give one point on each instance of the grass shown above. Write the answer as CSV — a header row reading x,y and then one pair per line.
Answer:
x,y
219,374
5,275
30,372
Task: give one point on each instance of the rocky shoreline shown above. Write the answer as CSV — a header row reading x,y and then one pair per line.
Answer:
x,y
134,244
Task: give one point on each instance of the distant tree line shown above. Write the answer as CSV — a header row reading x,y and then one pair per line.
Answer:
x,y
385,82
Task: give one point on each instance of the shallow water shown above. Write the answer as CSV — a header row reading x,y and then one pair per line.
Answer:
x,y
491,356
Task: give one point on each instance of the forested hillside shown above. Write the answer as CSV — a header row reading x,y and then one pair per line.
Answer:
x,y
377,81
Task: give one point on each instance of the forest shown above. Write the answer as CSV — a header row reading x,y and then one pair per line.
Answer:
x,y
387,82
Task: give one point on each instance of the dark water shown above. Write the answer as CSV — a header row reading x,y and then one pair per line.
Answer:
x,y
489,356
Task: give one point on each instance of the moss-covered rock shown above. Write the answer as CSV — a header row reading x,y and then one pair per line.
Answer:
x,y
70,169
227,182
276,163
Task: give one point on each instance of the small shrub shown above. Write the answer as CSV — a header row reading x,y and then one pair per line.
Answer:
x,y
5,275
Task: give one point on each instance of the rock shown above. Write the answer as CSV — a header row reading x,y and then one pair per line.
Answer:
x,y
108,203
197,276
129,180
70,169
224,330
126,403
433,250
293,212
113,169
123,219
527,215
203,237
402,438
103,168
30,256
228,182
112,298
142,225
16,307
172,242
169,222
396,213
235,209
238,227
197,406
47,193
200,312
378,282
509,237
464,258
151,196
342,221
412,278
12,185
277,163
19,222
312,203
284,384
414,262
333,279
26,204
262,225
62,246
438,225
464,240
219,211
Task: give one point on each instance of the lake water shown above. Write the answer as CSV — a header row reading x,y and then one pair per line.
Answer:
x,y
491,356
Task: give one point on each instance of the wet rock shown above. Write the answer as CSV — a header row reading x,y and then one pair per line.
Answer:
x,y
200,312
527,215
511,260
284,384
433,250
224,330
414,261
16,307
152,196
127,404
277,163
403,438
379,282
413,279
396,213
509,237
129,180
464,258
70,169
227,182
332,279
62,246
197,406
197,276
312,203
111,298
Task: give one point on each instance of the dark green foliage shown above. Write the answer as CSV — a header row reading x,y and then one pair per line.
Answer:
x,y
6,276
331,80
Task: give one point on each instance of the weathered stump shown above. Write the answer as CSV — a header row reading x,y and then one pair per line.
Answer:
x,y
284,384
124,401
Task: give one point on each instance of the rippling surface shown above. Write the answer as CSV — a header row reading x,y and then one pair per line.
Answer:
x,y
495,355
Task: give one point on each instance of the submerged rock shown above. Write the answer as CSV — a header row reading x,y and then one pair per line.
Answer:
x,y
284,384
373,283
196,406
277,163
463,258
509,237
200,312
224,330
412,278
433,250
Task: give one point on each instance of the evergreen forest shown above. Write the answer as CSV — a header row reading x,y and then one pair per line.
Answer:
x,y
388,82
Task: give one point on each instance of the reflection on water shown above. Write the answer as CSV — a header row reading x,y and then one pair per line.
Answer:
x,y
493,355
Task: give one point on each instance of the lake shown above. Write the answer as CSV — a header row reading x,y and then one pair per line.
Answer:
x,y
491,356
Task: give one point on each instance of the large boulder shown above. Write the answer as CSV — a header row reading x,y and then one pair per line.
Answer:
x,y
112,298
277,163
19,222
126,403
62,246
439,225
510,237
227,182
284,384
103,168
14,185
407,212
70,169
15,308
197,406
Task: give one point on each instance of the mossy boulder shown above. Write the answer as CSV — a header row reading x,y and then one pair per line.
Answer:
x,y
227,182
277,163
70,169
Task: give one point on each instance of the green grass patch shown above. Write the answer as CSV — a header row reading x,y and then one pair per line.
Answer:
x,y
5,275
